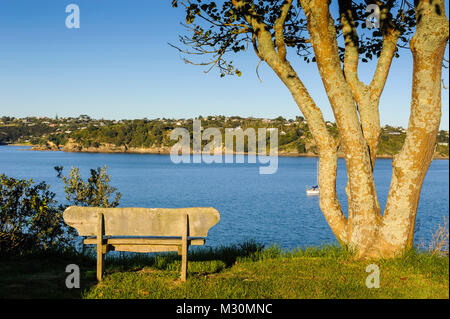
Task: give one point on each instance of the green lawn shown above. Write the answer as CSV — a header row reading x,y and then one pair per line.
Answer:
x,y
239,271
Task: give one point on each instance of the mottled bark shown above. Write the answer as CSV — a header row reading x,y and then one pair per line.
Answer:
x,y
367,97
356,110
411,164
364,216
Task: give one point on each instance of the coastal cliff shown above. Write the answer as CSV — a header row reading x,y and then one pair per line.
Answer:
x,y
48,146
72,147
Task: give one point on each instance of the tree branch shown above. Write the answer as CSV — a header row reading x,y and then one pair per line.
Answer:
x,y
384,63
351,56
278,27
367,96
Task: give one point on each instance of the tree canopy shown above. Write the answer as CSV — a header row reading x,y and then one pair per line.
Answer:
x,y
338,35
218,29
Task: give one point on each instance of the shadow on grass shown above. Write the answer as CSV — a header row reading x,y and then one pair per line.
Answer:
x,y
201,259
207,260
43,275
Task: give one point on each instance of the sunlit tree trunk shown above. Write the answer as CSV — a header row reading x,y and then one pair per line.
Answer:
x,y
369,232
355,107
364,216
411,164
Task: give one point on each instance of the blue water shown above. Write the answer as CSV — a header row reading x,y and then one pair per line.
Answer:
x,y
272,209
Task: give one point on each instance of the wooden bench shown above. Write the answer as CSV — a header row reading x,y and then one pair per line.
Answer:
x,y
142,229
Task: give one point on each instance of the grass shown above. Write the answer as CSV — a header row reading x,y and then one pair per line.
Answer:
x,y
42,275
236,271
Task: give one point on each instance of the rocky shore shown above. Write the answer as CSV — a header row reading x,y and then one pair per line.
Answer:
x,y
72,147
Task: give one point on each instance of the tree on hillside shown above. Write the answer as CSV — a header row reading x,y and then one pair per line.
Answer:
x,y
308,28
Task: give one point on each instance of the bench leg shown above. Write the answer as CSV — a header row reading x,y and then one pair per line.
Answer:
x,y
184,249
184,261
100,255
100,260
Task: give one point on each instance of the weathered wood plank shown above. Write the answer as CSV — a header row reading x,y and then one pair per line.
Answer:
x,y
144,248
144,241
142,221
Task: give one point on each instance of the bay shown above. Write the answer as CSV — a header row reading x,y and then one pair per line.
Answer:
x,y
271,209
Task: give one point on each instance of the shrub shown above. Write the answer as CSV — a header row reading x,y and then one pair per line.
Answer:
x,y
95,192
439,242
30,218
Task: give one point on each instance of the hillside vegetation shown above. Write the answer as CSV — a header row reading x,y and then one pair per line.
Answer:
x,y
84,134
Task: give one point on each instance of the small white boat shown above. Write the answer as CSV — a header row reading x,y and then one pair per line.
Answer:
x,y
314,191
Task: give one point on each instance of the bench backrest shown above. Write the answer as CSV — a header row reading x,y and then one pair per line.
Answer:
x,y
133,221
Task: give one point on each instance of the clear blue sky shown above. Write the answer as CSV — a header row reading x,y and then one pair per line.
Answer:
x,y
118,65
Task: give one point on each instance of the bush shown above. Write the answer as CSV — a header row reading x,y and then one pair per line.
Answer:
x,y
95,192
30,218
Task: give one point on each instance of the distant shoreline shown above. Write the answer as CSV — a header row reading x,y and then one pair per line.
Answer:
x,y
155,152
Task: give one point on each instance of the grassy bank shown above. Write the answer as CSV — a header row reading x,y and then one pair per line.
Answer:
x,y
239,271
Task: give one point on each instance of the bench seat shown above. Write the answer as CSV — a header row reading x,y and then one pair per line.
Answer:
x,y
144,245
144,241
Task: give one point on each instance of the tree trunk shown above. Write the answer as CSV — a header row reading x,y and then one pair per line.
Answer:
x,y
355,108
411,164
369,233
364,216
